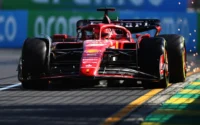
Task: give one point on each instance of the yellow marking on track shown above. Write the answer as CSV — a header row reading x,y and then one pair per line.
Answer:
x,y
151,123
182,101
195,83
131,106
169,84
179,101
177,112
134,104
156,123
189,91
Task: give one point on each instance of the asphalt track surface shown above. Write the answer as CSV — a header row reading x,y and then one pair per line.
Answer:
x,y
60,105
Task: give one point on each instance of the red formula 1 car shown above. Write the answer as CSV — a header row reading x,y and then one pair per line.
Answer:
x,y
106,49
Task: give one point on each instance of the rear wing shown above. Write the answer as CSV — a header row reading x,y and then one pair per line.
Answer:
x,y
134,26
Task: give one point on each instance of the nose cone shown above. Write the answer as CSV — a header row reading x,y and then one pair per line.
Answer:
x,y
88,71
90,63
92,55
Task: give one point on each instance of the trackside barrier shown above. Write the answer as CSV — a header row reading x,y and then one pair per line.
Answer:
x,y
13,28
51,22
85,5
16,26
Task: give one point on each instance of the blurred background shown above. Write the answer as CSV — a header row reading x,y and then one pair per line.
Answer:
x,y
27,18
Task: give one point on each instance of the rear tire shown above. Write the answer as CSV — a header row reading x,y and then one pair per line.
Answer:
x,y
176,56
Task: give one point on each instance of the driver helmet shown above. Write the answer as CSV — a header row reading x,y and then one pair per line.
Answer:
x,y
106,33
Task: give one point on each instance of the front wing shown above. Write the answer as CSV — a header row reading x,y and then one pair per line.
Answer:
x,y
125,68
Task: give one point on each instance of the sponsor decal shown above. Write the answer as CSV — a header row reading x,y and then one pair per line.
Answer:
x,y
95,45
89,59
92,51
88,65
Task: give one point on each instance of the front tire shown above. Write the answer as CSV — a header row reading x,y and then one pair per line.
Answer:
x,y
34,63
153,60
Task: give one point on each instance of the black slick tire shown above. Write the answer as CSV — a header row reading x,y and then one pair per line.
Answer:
x,y
34,62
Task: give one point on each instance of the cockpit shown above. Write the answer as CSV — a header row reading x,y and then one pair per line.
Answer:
x,y
103,31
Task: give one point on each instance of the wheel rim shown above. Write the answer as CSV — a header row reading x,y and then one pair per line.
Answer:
x,y
20,77
184,63
166,69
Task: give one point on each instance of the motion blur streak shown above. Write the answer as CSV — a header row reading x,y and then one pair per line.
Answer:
x,y
11,86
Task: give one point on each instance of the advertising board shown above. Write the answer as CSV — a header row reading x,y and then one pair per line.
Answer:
x,y
13,29
58,22
144,5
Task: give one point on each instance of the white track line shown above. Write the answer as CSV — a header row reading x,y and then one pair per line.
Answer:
x,y
11,86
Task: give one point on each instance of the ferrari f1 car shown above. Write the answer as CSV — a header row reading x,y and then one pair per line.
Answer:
x,y
107,49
